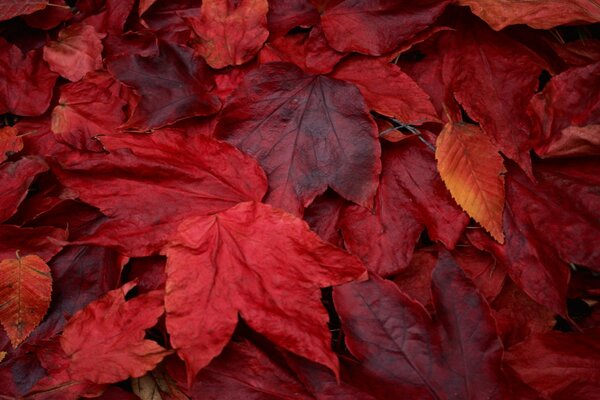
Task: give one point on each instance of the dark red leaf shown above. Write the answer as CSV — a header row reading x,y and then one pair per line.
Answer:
x,y
26,82
172,86
402,352
307,131
16,179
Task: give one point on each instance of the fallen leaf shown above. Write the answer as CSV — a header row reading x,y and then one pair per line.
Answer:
x,y
493,77
26,82
307,131
259,262
17,177
88,109
230,32
401,351
566,117
375,27
149,183
556,362
172,86
410,198
77,51
472,170
98,357
387,89
539,14
13,8
25,294
9,142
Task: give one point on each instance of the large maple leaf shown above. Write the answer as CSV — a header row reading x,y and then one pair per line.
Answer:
x,y
411,196
259,262
402,352
230,32
307,131
172,85
148,184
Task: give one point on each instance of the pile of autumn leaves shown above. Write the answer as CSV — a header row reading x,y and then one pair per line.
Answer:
x,y
183,182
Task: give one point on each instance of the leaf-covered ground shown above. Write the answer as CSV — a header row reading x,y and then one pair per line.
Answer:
x,y
300,199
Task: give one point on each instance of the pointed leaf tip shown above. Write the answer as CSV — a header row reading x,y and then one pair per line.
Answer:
x,y
472,170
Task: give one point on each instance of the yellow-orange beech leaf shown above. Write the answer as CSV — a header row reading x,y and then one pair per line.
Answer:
x,y
25,291
2,355
472,170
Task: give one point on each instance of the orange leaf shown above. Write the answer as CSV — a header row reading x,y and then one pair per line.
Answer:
x,y
2,355
472,169
25,289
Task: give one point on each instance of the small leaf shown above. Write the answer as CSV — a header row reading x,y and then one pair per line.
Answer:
x,y
2,355
25,289
472,169
9,142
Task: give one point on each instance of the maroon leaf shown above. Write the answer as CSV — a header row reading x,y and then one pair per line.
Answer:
x,y
402,352
172,86
307,131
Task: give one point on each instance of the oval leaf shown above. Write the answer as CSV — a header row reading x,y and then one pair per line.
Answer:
x,y
472,169
25,289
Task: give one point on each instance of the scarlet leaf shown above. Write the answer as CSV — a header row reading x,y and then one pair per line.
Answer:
x,y
402,352
16,178
387,89
88,109
376,27
492,77
76,52
230,32
472,170
257,261
149,183
539,14
26,82
172,86
25,289
13,8
104,342
9,142
307,131
556,362
411,196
